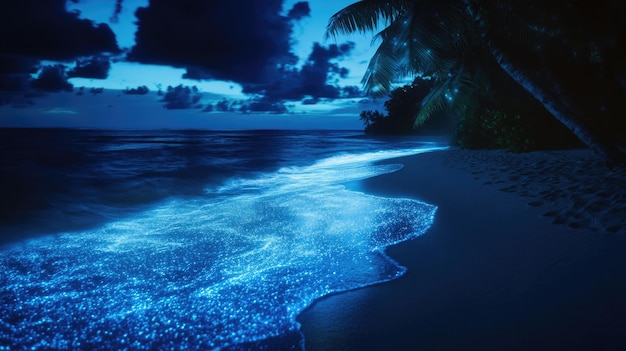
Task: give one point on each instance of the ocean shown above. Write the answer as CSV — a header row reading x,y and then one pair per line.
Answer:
x,y
211,240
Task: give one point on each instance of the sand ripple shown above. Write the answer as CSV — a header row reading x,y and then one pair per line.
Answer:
x,y
573,187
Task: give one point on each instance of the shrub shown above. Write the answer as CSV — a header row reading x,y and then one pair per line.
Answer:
x,y
516,132
495,129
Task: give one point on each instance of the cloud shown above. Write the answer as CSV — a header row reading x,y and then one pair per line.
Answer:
x,y
11,64
15,72
264,105
247,42
117,11
140,90
45,30
96,67
241,41
311,82
35,30
299,10
223,106
14,82
319,69
351,92
181,97
52,78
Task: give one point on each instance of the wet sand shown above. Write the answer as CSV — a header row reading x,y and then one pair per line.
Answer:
x,y
527,252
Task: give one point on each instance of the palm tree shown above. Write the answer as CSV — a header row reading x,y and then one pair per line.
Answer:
x,y
453,41
431,39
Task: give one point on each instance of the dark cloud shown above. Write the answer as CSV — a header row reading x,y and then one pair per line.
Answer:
x,y
311,82
181,97
45,30
247,42
351,92
319,69
241,41
34,30
18,100
96,91
14,82
264,105
310,101
15,72
52,78
299,10
10,64
223,106
117,11
96,67
140,90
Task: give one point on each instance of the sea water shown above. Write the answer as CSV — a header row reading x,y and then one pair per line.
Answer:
x,y
190,239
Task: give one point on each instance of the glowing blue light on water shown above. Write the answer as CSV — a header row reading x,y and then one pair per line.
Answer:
x,y
237,266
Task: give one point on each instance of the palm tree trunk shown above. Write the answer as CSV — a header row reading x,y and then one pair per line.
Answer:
x,y
560,111
549,99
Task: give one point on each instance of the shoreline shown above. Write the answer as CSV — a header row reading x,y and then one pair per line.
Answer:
x,y
493,272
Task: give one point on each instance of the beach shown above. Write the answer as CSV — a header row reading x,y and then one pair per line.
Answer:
x,y
527,252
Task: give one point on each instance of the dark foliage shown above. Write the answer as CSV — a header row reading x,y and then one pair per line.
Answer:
x,y
504,117
516,132
511,119
576,50
567,55
402,106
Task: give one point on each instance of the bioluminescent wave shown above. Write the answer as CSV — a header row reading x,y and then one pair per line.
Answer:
x,y
236,266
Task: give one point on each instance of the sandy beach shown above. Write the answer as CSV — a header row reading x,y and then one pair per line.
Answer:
x,y
527,252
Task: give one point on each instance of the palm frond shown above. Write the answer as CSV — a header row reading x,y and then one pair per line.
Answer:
x,y
434,102
381,72
430,39
481,81
401,53
363,17
457,93
464,94
396,38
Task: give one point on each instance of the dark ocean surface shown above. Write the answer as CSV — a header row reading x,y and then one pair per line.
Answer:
x,y
189,239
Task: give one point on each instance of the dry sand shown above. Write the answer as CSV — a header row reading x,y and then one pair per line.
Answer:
x,y
527,252
572,187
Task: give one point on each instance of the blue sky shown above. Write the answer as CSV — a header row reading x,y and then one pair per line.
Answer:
x,y
332,108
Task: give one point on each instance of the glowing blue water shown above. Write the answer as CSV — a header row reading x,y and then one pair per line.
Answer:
x,y
235,266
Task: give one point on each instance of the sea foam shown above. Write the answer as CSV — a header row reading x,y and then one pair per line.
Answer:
x,y
236,266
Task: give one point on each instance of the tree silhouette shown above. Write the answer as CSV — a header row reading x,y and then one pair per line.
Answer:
x,y
458,42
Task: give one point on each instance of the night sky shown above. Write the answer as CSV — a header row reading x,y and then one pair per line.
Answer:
x,y
256,64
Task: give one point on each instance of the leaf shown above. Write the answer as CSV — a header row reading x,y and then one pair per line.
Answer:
x,y
434,102
381,72
363,17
